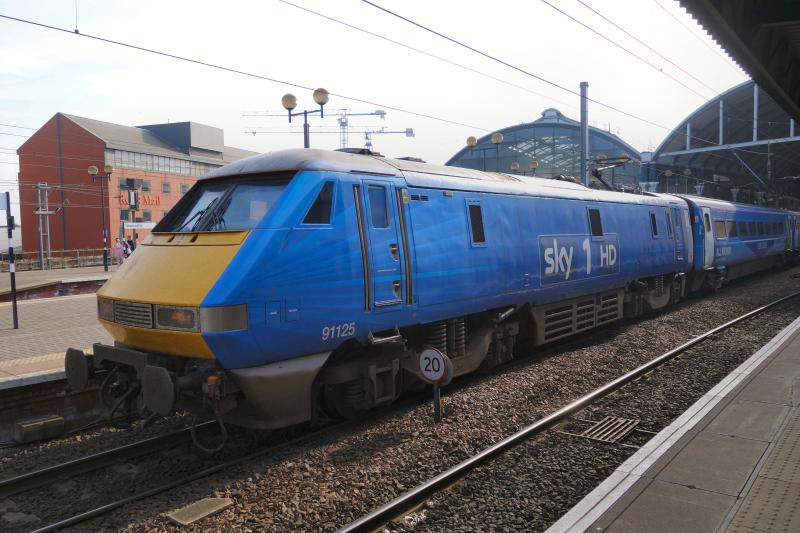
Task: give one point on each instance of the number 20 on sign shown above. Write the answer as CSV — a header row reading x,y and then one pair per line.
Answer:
x,y
435,368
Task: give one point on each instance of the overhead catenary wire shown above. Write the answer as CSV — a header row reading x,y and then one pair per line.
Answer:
x,y
659,54
630,52
535,76
679,21
423,52
238,71
220,67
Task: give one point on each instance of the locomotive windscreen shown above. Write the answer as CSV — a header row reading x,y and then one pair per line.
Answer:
x,y
228,205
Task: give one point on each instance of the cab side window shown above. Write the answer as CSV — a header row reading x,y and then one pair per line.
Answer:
x,y
320,210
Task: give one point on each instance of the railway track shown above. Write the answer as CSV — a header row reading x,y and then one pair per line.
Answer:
x,y
90,463
115,456
422,492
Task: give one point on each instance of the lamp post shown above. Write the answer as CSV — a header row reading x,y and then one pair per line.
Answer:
x,y
289,102
94,173
514,167
668,173
497,138
686,173
534,165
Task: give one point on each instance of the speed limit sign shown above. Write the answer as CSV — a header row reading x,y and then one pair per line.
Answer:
x,y
434,366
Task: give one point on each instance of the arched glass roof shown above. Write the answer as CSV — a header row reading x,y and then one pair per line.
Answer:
x,y
741,141
553,141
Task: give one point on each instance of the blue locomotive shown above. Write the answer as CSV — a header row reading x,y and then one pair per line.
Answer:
x,y
304,283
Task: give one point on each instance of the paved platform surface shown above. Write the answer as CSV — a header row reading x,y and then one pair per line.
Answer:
x,y
730,463
35,278
48,326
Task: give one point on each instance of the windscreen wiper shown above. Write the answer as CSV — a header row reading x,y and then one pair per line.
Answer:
x,y
197,216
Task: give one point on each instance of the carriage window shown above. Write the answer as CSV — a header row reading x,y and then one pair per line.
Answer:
x,y
743,229
476,223
752,228
732,229
669,223
320,211
761,228
707,221
595,223
719,229
378,208
653,224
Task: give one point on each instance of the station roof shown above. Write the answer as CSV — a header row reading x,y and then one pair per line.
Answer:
x,y
753,147
763,38
144,140
564,147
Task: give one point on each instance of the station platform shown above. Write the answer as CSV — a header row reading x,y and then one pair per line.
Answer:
x,y
34,353
29,279
731,463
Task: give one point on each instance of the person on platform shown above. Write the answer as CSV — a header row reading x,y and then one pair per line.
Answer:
x,y
130,244
119,252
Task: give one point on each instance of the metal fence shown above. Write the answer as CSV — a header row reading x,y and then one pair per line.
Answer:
x,y
58,259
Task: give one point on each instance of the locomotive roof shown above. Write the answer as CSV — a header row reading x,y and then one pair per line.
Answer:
x,y
421,175
702,201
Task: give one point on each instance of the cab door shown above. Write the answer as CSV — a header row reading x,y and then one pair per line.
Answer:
x,y
385,252
680,244
708,239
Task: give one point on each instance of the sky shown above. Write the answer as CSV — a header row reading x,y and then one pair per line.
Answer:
x,y
443,91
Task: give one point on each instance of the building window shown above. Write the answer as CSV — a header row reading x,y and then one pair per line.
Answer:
x,y
184,188
165,187
145,185
147,216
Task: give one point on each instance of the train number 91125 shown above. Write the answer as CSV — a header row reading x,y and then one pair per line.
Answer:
x,y
338,331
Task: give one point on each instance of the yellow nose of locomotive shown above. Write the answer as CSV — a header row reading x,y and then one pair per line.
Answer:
x,y
152,302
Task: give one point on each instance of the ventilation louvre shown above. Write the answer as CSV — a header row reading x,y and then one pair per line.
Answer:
x,y
560,320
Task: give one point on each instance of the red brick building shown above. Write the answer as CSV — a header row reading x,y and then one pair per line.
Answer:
x,y
159,161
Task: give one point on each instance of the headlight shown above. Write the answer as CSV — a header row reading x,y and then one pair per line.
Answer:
x,y
105,308
179,318
226,318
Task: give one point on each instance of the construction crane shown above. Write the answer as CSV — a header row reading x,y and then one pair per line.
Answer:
x,y
344,124
408,132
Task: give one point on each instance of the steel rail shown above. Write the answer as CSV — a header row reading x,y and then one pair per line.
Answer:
x,y
410,499
89,463
82,517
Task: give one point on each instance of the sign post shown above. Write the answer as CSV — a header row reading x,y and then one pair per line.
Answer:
x,y
437,369
5,203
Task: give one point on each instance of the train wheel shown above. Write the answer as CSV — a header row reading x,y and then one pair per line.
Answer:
x,y
345,400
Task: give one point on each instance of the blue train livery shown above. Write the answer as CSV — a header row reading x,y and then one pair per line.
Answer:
x,y
303,284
